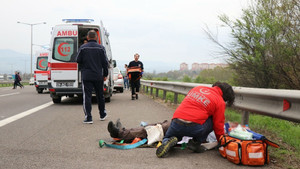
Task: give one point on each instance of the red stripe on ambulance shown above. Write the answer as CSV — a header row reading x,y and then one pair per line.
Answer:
x,y
63,66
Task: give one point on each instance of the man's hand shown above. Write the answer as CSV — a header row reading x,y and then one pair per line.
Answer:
x,y
104,78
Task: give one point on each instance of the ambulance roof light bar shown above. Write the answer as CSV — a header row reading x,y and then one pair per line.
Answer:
x,y
77,20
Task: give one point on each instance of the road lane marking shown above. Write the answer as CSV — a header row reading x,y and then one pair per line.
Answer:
x,y
26,113
23,114
9,94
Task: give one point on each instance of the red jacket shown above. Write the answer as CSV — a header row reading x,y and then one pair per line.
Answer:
x,y
202,102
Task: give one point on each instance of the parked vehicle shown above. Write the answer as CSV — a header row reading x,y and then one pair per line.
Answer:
x,y
31,81
118,80
64,77
41,73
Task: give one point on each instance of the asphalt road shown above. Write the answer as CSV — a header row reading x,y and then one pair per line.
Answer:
x,y
55,137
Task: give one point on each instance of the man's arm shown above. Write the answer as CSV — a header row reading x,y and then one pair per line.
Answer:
x,y
104,65
79,56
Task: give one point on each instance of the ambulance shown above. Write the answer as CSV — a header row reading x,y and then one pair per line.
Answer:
x,y
41,72
64,75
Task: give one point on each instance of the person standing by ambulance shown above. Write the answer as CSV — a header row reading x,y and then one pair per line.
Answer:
x,y
135,76
93,62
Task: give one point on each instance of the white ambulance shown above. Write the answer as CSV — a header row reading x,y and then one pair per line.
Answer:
x,y
64,77
41,72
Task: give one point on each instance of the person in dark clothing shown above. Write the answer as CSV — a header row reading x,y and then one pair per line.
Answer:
x,y
17,81
135,71
93,62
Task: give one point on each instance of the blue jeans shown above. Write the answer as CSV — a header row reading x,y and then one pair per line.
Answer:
x,y
197,131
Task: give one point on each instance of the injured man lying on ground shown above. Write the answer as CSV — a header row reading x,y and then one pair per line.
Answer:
x,y
154,133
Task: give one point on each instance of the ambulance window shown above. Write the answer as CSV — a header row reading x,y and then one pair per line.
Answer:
x,y
42,63
65,49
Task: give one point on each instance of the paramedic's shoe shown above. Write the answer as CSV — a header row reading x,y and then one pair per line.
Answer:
x,y
165,147
132,97
113,130
195,146
136,96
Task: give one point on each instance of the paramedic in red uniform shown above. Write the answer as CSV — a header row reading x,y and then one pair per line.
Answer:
x,y
93,62
135,77
201,112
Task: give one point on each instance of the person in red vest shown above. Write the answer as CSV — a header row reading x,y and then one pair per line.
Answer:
x,y
201,112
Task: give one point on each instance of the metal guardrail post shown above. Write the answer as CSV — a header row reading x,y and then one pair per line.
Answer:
x,y
156,93
175,98
165,95
147,89
245,118
151,91
144,88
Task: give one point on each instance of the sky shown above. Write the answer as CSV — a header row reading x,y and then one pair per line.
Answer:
x,y
164,32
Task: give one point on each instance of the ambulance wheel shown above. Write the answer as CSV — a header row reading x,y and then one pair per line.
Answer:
x,y
121,90
40,90
107,99
56,100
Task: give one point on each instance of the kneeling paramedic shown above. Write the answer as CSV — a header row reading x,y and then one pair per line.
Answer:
x,y
201,112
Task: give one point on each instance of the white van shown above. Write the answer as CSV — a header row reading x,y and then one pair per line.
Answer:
x,y
41,73
64,77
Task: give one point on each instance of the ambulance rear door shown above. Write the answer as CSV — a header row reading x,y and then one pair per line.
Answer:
x,y
41,74
64,70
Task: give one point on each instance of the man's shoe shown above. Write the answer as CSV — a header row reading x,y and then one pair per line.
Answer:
x,y
137,96
165,147
88,121
195,146
113,130
103,118
132,97
119,124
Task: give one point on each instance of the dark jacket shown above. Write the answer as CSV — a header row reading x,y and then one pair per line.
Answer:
x,y
92,60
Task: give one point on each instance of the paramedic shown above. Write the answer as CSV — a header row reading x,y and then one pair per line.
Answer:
x,y
201,112
128,135
135,77
94,70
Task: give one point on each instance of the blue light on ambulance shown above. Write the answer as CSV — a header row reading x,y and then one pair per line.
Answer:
x,y
78,20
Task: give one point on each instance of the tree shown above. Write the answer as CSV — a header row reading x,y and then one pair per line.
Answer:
x,y
265,48
186,78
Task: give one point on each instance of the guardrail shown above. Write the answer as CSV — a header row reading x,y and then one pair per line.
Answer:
x,y
279,103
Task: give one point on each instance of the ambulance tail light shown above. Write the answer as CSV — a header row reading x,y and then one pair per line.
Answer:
x,y
105,89
49,71
36,85
34,76
52,90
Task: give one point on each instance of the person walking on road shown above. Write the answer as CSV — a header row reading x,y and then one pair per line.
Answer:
x,y
126,80
17,81
135,71
201,112
93,63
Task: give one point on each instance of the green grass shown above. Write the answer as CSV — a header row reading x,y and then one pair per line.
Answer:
x,y
11,84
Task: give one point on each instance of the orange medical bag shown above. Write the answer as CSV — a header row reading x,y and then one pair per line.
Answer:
x,y
246,152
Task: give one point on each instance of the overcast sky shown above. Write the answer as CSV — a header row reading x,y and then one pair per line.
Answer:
x,y
168,31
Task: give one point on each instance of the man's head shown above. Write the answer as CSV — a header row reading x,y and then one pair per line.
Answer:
x,y
92,35
228,93
136,57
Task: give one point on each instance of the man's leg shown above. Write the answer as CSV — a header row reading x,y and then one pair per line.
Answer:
x,y
132,89
98,85
137,89
87,88
199,136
